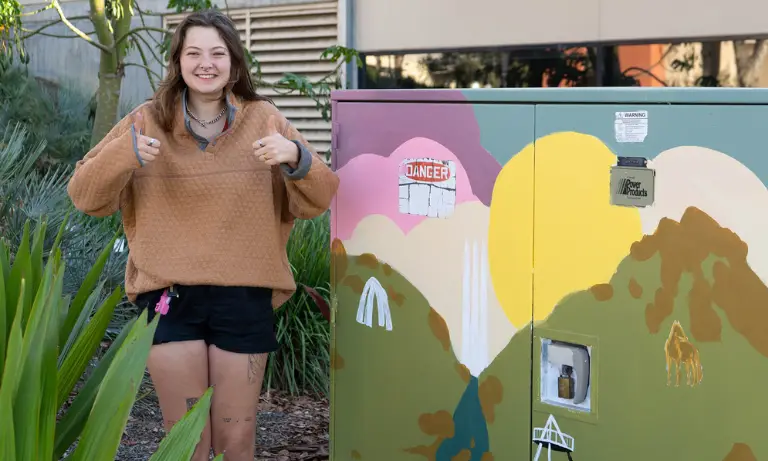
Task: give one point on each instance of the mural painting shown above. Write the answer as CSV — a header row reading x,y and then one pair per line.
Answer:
x,y
681,353
374,296
551,437
427,227
436,304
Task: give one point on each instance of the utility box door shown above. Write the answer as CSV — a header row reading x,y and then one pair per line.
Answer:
x,y
651,284
432,257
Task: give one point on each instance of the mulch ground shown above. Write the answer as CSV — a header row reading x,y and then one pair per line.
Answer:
x,y
289,429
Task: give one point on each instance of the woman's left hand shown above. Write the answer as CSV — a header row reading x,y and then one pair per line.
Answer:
x,y
274,149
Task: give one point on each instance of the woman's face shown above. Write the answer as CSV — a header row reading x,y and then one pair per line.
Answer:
x,y
205,61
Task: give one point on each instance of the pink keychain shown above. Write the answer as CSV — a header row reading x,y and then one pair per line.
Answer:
x,y
164,303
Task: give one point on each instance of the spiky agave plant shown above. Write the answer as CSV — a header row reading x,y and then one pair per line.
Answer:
x,y
47,340
27,193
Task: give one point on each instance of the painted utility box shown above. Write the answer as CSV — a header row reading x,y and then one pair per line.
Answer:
x,y
555,274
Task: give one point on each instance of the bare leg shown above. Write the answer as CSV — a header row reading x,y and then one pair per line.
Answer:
x,y
237,379
179,371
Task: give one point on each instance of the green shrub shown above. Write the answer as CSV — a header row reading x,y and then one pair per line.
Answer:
x,y
303,360
31,194
47,340
56,115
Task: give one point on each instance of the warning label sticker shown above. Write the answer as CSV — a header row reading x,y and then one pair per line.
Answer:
x,y
631,126
427,187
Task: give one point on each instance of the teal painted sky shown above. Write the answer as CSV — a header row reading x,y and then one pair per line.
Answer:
x,y
738,131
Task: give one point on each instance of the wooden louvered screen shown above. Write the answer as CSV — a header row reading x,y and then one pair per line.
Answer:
x,y
289,38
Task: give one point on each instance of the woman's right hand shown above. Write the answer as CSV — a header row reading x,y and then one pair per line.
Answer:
x,y
149,148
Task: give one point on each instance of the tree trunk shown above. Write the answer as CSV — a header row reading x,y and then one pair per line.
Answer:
x,y
111,69
107,98
710,64
749,61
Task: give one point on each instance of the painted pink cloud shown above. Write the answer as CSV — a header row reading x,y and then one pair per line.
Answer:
x,y
369,185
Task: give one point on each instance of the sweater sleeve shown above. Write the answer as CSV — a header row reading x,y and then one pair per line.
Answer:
x,y
102,175
311,186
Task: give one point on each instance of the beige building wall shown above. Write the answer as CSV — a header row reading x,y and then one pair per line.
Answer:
x,y
401,25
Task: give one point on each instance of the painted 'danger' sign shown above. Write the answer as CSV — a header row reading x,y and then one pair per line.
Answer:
x,y
427,187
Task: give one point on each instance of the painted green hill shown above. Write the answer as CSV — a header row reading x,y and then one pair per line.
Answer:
x,y
401,408
693,272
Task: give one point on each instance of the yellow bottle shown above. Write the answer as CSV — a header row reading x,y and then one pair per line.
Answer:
x,y
565,383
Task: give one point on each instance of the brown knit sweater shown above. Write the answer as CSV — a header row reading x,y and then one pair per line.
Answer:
x,y
204,214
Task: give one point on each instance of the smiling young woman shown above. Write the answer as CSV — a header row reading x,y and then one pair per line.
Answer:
x,y
209,177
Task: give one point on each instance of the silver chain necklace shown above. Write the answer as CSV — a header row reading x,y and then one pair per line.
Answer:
x,y
205,123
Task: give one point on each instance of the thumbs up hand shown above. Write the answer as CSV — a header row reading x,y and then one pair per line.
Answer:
x,y
149,148
274,149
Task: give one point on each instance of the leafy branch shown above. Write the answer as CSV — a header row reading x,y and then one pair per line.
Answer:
x,y
77,31
143,66
639,71
151,74
46,34
10,22
136,30
143,13
39,30
320,90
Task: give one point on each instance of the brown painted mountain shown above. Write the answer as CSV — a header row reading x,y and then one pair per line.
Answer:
x,y
693,272
395,390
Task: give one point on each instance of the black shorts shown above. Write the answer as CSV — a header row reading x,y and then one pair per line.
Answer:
x,y
234,319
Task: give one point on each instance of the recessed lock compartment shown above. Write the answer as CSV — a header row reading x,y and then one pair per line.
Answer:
x,y
565,374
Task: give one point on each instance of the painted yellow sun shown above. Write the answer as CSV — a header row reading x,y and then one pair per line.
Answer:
x,y
580,238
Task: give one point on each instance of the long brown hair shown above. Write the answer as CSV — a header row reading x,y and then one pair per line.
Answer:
x,y
168,94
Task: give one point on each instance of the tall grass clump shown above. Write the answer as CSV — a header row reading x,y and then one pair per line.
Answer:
x,y
302,364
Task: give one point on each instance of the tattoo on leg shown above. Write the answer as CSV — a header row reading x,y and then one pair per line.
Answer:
x,y
191,402
171,422
256,367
